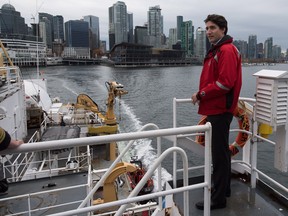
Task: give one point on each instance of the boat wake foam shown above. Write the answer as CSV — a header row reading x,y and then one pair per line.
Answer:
x,y
143,147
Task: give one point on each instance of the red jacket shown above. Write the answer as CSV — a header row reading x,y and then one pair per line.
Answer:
x,y
221,79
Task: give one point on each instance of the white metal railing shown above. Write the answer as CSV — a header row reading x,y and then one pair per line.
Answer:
x,y
15,167
12,77
42,146
14,170
30,196
249,157
118,159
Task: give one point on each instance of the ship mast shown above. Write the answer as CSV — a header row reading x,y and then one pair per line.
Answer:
x,y
37,35
114,90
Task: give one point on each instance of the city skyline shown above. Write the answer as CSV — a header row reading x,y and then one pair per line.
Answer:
x,y
264,22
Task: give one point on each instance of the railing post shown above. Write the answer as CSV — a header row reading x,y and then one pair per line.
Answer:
x,y
29,205
207,170
174,143
253,152
159,151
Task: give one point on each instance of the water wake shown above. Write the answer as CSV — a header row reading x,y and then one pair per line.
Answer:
x,y
143,147
65,85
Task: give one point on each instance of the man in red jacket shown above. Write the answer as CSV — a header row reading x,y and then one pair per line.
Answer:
x,y
219,89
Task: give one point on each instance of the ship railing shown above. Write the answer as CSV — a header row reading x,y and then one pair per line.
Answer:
x,y
29,165
29,198
15,167
10,79
158,134
248,163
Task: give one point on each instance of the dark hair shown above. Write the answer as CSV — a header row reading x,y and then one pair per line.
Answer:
x,y
218,20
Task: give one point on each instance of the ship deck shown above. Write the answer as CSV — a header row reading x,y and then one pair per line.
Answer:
x,y
44,193
243,200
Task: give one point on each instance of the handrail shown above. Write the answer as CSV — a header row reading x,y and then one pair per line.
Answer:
x,y
84,141
280,186
150,172
131,200
129,136
251,157
120,156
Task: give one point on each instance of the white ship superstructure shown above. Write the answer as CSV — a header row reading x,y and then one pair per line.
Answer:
x,y
24,52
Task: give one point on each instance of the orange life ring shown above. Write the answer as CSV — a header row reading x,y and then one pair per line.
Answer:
x,y
244,124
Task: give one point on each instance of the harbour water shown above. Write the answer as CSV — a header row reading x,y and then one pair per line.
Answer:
x,y
151,92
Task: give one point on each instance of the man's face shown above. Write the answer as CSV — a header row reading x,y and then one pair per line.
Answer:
x,y
213,32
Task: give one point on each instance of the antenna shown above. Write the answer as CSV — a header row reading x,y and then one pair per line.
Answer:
x,y
37,35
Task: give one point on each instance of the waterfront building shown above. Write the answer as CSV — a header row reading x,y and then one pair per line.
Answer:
x,y
179,24
155,26
141,35
77,39
268,44
103,46
252,47
24,52
118,24
21,46
94,35
200,44
11,22
172,37
57,48
138,55
187,38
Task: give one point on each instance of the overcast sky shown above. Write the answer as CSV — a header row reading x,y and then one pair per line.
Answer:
x,y
263,18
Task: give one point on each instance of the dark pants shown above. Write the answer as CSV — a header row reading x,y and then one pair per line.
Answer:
x,y
221,156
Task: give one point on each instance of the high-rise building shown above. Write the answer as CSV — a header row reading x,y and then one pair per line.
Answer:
x,y
58,36
77,39
276,52
268,44
94,35
118,31
155,26
130,27
179,24
242,47
141,35
46,28
172,37
187,38
200,43
252,47
260,51
58,28
11,21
